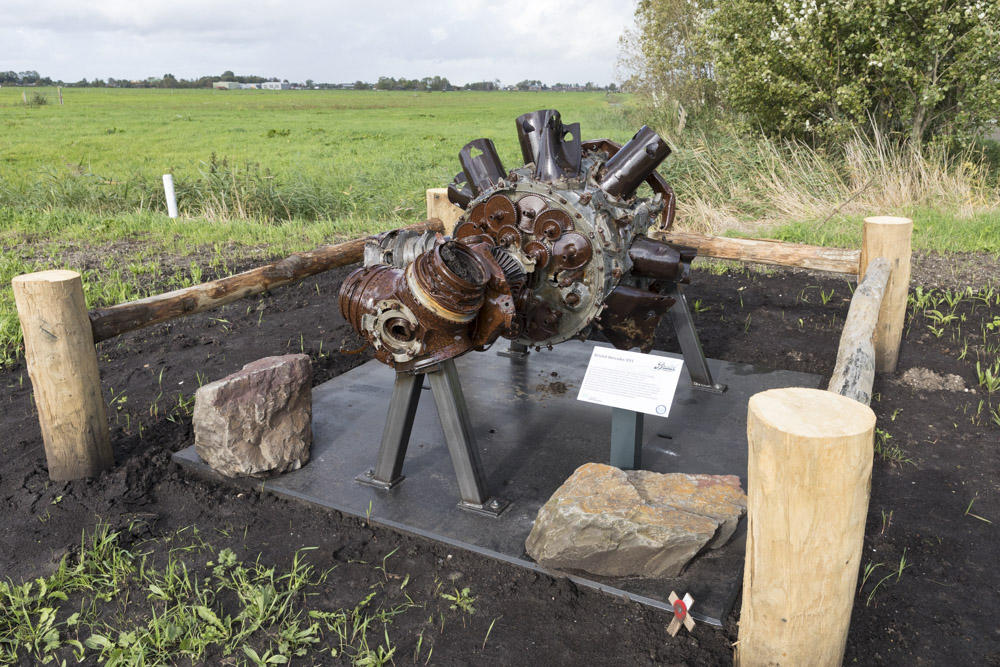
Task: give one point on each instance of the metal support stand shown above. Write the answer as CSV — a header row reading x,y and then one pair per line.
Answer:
x,y
687,336
515,351
396,434
458,434
626,439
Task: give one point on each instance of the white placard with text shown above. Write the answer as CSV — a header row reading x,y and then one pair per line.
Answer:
x,y
631,380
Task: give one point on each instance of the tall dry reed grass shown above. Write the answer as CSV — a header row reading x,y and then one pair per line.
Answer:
x,y
732,182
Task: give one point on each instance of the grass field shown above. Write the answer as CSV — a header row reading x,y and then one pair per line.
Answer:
x,y
280,154
263,173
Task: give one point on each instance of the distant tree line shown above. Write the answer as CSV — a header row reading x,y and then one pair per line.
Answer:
x,y
168,80
27,78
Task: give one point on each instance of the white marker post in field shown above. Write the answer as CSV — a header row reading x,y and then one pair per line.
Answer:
x,y
168,190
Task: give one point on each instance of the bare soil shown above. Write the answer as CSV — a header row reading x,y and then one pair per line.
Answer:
x,y
941,610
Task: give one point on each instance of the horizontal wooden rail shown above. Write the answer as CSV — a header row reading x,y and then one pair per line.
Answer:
x,y
765,251
761,251
121,318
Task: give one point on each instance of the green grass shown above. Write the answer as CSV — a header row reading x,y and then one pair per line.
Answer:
x,y
258,174
177,599
276,154
932,230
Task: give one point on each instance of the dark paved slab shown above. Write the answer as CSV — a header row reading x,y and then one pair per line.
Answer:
x,y
532,434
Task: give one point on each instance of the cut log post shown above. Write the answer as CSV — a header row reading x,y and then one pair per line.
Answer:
x,y
890,238
116,320
440,207
62,365
854,373
765,251
809,477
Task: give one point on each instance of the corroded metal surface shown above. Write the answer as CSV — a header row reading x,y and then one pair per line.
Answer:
x,y
543,252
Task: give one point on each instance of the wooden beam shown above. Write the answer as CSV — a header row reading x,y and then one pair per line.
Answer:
x,y
440,207
761,251
854,373
118,319
809,475
62,365
765,251
891,238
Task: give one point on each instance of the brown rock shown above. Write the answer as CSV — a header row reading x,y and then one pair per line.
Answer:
x,y
257,421
611,522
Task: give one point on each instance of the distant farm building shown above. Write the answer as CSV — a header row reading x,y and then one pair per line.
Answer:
x,y
226,85
275,85
249,86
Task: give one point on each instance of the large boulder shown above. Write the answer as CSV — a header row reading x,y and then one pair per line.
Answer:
x,y
257,421
611,522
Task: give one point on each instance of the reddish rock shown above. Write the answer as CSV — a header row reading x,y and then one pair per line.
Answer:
x,y
610,522
257,421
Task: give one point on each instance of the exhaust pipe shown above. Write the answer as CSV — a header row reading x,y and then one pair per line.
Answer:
x,y
624,173
554,148
484,169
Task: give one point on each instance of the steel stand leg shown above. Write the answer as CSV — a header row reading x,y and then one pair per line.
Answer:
x,y
626,439
461,441
396,433
687,336
515,351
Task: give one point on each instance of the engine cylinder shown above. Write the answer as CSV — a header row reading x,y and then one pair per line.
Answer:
x,y
449,281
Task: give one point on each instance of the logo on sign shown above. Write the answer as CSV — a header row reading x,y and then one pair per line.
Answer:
x,y
661,409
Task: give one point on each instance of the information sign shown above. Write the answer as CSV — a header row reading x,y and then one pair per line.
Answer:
x,y
631,381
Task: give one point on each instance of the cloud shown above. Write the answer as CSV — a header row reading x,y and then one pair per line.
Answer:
x,y
335,41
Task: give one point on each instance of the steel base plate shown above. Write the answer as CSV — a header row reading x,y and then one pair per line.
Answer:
x,y
532,434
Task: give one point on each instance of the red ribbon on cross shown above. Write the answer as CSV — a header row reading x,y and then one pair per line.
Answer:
x,y
681,615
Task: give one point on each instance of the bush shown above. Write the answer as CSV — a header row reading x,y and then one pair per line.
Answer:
x,y
37,100
911,68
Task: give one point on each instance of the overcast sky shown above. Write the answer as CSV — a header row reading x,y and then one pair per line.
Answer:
x,y
463,40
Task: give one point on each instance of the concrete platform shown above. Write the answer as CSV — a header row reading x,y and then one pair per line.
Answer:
x,y
532,434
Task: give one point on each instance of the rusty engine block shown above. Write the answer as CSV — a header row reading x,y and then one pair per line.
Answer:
x,y
542,253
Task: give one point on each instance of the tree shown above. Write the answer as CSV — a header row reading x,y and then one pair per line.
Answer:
x,y
482,85
913,67
669,55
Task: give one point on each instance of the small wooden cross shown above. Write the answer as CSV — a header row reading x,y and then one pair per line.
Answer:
x,y
681,615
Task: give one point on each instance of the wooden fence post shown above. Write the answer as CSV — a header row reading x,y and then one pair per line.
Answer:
x,y
809,478
440,207
62,365
888,237
854,372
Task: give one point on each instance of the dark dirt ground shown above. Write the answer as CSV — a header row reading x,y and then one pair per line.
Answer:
x,y
942,610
